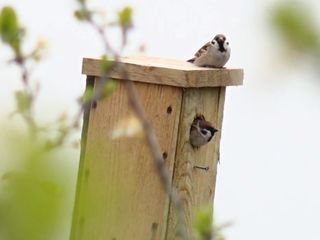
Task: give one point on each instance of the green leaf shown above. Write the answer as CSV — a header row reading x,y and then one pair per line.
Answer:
x,y
125,17
10,31
9,25
23,101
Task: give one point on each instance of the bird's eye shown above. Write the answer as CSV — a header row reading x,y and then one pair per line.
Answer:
x,y
213,42
227,43
204,132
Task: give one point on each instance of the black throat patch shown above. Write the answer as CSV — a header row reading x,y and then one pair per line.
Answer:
x,y
221,47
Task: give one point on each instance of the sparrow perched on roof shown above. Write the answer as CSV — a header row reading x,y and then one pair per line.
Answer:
x,y
201,131
214,54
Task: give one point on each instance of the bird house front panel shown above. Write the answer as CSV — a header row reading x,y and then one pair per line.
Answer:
x,y
120,195
196,167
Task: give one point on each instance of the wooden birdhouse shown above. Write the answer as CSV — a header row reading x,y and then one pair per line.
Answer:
x,y
119,194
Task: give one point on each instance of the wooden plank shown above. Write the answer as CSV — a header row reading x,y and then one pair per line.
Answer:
x,y
84,134
121,195
167,72
196,187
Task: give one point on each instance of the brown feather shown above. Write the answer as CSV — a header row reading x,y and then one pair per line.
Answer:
x,y
202,50
199,117
205,124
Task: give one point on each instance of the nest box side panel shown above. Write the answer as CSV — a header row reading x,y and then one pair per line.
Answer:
x,y
195,186
86,114
120,194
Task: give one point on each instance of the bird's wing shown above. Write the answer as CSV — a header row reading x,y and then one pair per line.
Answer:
x,y
202,50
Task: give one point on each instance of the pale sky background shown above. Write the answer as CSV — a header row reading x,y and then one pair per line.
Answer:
x,y
268,181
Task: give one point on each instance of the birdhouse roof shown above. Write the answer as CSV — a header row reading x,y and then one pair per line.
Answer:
x,y
170,72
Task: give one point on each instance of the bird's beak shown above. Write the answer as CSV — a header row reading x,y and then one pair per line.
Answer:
x,y
220,39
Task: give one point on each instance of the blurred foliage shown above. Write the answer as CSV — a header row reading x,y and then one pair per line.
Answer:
x,y
123,22
297,26
23,102
128,127
88,94
109,87
12,35
10,31
205,227
84,13
36,189
106,64
36,178
125,17
80,15
37,183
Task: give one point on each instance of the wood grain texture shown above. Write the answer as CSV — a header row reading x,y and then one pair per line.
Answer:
x,y
121,196
84,134
196,187
167,72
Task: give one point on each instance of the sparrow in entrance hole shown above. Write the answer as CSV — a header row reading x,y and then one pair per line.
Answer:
x,y
214,54
201,131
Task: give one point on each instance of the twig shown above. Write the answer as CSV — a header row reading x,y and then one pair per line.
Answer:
x,y
147,127
157,157
27,116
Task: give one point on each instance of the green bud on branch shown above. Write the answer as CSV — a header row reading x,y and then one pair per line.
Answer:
x,y
125,17
81,15
10,31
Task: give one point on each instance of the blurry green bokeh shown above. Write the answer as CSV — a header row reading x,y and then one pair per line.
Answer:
x,y
10,31
36,189
296,24
125,17
204,226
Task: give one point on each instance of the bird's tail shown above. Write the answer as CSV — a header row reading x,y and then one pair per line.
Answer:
x,y
191,60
